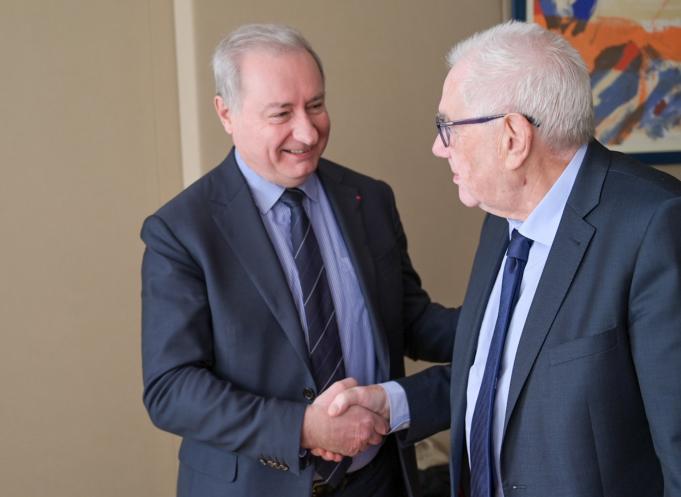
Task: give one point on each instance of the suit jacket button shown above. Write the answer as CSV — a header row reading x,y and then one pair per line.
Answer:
x,y
309,394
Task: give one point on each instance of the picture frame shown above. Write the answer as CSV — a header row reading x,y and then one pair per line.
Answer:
x,y
633,52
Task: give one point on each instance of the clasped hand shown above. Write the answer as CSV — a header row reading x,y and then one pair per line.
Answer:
x,y
345,420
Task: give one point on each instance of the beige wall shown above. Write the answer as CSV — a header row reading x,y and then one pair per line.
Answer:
x,y
90,144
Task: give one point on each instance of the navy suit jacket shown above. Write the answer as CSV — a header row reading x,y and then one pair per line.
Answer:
x,y
224,356
594,406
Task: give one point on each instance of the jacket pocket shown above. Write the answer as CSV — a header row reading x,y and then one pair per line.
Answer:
x,y
209,460
584,347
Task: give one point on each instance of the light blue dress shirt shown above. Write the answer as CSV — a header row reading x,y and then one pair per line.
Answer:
x,y
359,352
541,227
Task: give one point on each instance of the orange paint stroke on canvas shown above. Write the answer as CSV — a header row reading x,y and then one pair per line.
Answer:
x,y
601,33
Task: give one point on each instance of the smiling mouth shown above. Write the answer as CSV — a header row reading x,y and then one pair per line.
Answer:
x,y
297,151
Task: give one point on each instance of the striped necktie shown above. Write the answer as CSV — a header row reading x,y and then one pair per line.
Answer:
x,y
324,344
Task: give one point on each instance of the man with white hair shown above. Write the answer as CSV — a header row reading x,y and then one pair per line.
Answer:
x,y
566,371
272,283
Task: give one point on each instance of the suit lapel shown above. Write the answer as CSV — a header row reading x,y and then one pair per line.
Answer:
x,y
569,246
345,200
484,273
238,220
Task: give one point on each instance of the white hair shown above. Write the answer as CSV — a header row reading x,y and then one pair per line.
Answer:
x,y
522,67
227,56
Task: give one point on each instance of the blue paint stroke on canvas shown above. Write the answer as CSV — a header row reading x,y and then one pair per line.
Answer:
x,y
635,69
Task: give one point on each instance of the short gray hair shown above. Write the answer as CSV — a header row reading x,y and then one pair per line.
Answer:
x,y
227,56
522,67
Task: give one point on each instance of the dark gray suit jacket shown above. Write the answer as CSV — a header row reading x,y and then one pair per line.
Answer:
x,y
224,355
594,406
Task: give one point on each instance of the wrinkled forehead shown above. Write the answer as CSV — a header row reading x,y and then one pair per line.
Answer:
x,y
279,52
452,101
268,68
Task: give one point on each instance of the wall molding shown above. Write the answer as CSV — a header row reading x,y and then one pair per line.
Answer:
x,y
187,84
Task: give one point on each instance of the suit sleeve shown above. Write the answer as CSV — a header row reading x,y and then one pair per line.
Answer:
x,y
429,407
655,334
181,392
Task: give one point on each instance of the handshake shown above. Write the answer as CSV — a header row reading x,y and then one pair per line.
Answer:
x,y
345,419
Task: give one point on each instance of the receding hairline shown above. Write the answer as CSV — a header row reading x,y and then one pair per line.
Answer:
x,y
273,38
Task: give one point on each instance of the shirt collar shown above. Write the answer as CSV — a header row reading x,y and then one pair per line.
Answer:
x,y
265,193
542,223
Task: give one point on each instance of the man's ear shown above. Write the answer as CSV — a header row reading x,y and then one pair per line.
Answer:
x,y
516,141
224,113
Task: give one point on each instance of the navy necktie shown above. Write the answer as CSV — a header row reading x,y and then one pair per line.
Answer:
x,y
482,456
324,344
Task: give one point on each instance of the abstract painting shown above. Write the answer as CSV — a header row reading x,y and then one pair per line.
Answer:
x,y
633,51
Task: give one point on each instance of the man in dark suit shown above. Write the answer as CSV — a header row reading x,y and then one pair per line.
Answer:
x,y
271,284
566,371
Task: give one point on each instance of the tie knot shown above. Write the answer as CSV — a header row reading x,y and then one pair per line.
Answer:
x,y
519,248
293,198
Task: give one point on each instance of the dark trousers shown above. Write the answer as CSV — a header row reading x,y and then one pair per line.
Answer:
x,y
382,477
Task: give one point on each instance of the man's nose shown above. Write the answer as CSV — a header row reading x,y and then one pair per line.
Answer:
x,y
439,149
304,130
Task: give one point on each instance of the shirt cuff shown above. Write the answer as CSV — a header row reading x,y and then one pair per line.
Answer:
x,y
399,407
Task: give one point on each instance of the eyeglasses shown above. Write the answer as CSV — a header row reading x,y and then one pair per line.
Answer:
x,y
444,131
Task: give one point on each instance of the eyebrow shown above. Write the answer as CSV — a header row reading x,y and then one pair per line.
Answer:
x,y
317,97
284,105
277,105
